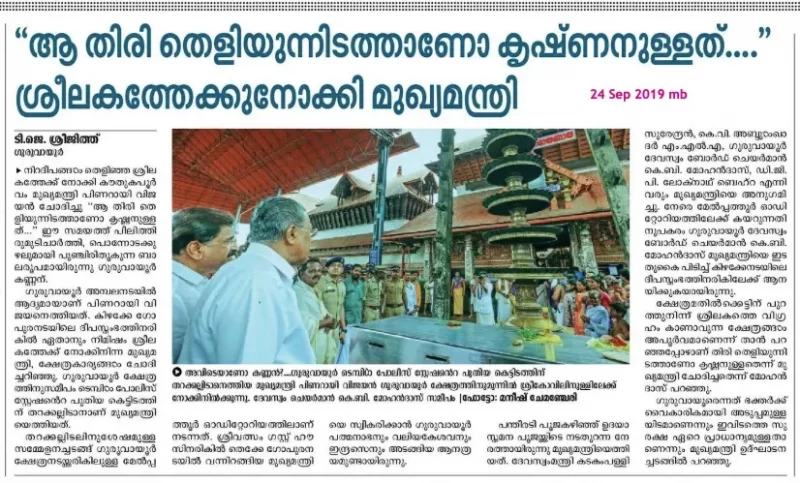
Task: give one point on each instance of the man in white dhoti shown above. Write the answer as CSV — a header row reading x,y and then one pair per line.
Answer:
x,y
318,321
503,295
248,313
202,241
410,298
483,301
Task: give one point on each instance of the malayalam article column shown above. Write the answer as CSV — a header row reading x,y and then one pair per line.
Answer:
x,y
718,285
82,359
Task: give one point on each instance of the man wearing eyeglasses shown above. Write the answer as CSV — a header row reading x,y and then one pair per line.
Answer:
x,y
202,241
248,313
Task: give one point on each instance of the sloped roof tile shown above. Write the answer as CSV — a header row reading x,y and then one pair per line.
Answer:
x,y
470,215
394,186
221,168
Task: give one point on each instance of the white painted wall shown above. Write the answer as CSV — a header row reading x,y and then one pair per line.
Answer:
x,y
359,229
388,259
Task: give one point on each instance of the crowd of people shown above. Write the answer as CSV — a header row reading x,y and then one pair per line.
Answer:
x,y
268,302
594,305
333,296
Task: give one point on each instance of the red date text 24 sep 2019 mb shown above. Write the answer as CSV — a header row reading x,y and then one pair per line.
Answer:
x,y
638,94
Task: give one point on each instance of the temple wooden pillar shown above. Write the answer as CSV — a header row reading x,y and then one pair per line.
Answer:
x,y
426,260
444,227
384,143
575,245
587,249
613,178
469,258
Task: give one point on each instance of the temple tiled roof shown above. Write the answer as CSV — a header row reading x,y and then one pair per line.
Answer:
x,y
308,202
470,215
469,146
364,240
225,168
395,185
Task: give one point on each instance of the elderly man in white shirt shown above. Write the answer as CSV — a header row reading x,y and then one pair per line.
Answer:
x,y
248,314
318,322
202,240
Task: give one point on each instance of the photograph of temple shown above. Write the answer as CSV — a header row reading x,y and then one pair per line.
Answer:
x,y
499,246
588,240
346,218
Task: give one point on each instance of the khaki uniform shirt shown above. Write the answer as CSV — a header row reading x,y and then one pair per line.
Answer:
x,y
332,295
394,292
372,293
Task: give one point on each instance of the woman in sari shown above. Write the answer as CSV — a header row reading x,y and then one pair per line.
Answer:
x,y
580,294
457,289
568,304
619,326
617,292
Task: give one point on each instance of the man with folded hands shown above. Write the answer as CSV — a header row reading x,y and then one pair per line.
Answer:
x,y
318,322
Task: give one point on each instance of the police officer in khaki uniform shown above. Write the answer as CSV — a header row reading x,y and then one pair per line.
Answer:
x,y
393,295
332,291
372,297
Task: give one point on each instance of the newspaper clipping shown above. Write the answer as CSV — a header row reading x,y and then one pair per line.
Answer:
x,y
587,211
